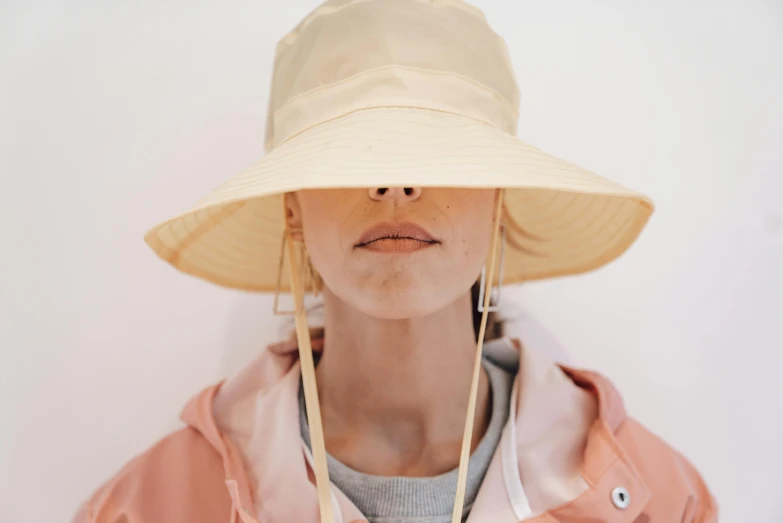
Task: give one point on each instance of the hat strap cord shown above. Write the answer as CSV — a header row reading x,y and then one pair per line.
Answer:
x,y
310,390
318,445
459,500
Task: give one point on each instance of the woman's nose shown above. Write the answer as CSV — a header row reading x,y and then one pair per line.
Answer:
x,y
395,193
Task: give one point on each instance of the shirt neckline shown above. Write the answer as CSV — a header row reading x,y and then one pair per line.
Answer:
x,y
395,498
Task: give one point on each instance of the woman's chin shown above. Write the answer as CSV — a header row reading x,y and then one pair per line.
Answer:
x,y
400,306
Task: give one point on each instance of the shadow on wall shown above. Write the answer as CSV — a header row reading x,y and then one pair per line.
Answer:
x,y
251,326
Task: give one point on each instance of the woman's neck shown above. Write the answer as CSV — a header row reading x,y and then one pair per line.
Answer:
x,y
394,393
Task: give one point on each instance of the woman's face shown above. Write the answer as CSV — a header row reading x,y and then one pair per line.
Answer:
x,y
395,252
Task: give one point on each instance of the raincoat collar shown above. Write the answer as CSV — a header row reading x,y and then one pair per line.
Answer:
x,y
252,422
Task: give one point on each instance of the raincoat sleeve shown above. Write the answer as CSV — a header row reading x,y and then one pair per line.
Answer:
x,y
703,508
180,479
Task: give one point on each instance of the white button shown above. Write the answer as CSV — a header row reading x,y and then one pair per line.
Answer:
x,y
621,498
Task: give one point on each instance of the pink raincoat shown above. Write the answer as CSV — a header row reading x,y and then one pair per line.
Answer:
x,y
569,453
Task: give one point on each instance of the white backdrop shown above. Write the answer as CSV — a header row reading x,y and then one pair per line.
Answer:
x,y
114,115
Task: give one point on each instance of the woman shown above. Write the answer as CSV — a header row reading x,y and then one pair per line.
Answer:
x,y
393,186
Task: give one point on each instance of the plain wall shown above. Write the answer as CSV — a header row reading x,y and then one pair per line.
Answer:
x,y
115,115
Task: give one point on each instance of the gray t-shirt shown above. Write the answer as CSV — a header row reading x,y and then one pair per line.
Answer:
x,y
398,499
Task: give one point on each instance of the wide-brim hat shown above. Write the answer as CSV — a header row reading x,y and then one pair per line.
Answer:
x,y
398,93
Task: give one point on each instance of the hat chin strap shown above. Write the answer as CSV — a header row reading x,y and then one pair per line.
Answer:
x,y
311,391
459,500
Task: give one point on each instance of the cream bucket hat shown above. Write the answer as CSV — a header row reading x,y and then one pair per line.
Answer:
x,y
370,93
399,93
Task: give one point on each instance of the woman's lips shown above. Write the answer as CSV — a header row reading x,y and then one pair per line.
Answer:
x,y
396,237
397,245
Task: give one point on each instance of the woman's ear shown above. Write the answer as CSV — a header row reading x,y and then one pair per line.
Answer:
x,y
293,214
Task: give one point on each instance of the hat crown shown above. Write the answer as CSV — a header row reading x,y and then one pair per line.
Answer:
x,y
348,55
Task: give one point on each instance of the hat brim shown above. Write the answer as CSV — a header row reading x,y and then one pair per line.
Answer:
x,y
562,219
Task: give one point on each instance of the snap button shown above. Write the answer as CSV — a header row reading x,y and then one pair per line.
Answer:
x,y
621,498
